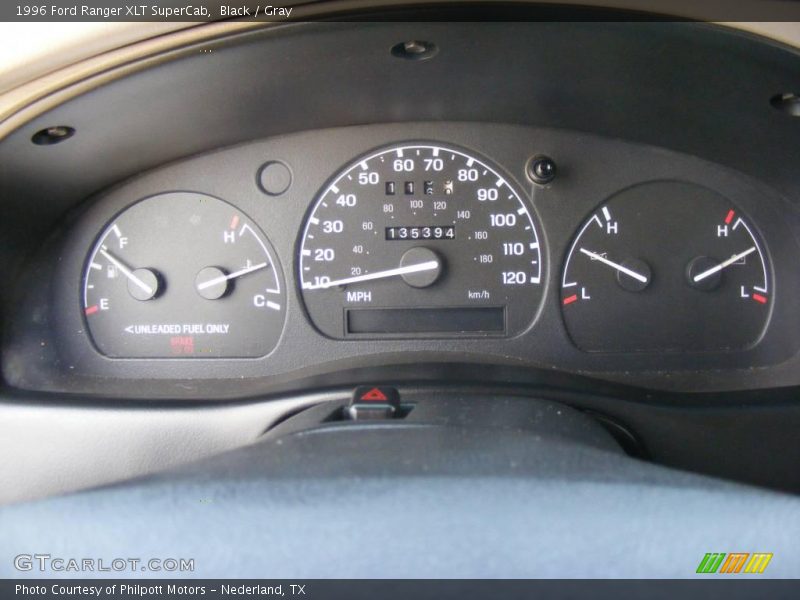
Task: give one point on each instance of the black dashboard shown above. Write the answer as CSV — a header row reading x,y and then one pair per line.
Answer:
x,y
275,278
270,259
603,214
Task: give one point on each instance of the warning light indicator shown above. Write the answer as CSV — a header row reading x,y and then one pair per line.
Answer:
x,y
374,395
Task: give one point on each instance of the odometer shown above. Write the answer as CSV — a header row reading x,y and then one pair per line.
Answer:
x,y
421,232
421,240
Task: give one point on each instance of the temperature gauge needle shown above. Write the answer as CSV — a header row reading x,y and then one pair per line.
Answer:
x,y
234,275
430,265
613,265
128,273
707,273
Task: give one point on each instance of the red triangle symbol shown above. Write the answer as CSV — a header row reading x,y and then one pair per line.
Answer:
x,y
373,395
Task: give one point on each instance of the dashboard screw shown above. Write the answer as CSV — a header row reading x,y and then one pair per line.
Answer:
x,y
415,50
788,103
52,135
541,169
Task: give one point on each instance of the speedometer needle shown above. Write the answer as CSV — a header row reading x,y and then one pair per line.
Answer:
x,y
430,265
722,265
234,275
127,272
613,265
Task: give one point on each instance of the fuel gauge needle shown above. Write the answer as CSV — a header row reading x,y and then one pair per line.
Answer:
x,y
127,272
613,265
722,265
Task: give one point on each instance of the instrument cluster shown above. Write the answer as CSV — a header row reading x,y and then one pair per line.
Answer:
x,y
431,241
452,241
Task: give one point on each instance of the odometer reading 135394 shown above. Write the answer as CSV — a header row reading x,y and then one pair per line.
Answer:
x,y
421,240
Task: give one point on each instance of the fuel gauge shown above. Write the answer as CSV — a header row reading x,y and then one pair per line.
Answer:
x,y
183,275
666,266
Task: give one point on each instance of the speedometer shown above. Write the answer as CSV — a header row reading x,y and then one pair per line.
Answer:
x,y
421,240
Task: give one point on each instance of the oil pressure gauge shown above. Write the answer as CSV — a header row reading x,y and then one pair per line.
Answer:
x,y
183,275
666,266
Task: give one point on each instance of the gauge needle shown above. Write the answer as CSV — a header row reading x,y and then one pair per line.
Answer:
x,y
234,275
126,271
722,265
613,265
430,265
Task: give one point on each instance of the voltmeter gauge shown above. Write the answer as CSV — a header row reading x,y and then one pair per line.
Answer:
x,y
183,275
666,266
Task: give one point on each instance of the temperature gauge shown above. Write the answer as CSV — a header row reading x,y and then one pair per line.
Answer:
x,y
666,266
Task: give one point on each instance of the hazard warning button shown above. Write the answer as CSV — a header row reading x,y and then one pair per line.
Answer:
x,y
374,402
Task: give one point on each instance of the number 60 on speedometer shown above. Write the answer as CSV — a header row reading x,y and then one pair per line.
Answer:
x,y
421,240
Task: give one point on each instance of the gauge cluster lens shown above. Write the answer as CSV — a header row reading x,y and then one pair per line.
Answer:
x,y
183,275
421,240
666,266
425,240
